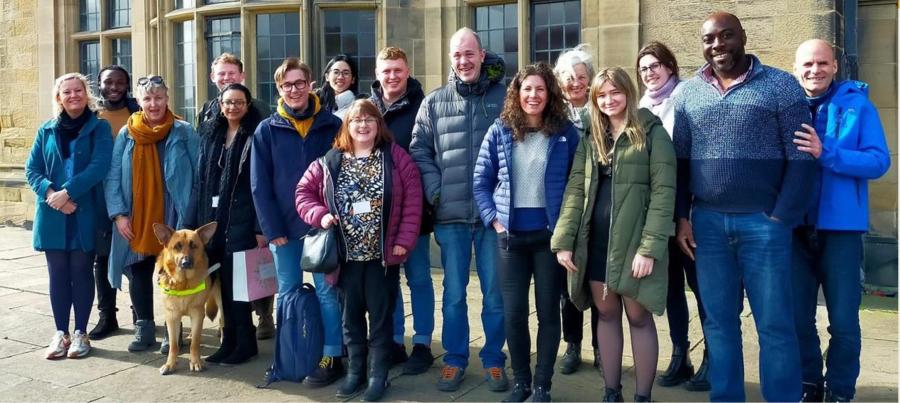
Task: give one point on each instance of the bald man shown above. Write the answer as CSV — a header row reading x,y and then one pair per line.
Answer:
x,y
447,136
742,186
848,140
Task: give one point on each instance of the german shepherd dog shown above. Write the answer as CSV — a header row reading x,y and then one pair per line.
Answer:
x,y
183,271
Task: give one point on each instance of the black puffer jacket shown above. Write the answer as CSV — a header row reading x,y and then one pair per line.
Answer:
x,y
236,213
400,118
449,130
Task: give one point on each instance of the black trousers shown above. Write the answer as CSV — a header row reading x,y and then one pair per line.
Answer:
x,y
573,320
106,294
140,286
522,256
236,313
681,266
369,287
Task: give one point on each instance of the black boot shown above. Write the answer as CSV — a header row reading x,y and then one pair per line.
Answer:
x,y
329,370
700,381
641,398
105,326
813,392
227,346
356,372
245,334
378,372
680,369
571,360
613,395
521,392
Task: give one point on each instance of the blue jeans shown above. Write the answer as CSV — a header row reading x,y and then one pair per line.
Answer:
x,y
831,259
456,242
752,247
421,289
287,269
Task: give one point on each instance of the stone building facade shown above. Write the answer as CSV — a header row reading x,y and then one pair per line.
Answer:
x,y
178,38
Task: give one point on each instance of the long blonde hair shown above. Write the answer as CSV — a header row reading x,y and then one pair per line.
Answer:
x,y
600,122
92,101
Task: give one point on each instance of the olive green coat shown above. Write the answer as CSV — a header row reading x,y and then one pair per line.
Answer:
x,y
643,196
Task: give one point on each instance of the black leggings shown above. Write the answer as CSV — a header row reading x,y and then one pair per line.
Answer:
x,y
521,256
71,287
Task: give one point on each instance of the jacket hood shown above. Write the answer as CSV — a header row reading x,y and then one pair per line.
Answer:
x,y
850,87
493,69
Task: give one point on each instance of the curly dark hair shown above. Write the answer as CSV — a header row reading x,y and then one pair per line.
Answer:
x,y
555,115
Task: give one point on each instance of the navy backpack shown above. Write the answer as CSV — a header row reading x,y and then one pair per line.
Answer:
x,y
300,337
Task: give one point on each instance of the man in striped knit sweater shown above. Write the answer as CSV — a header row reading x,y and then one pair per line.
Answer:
x,y
742,186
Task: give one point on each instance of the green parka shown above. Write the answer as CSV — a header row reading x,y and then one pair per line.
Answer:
x,y
643,196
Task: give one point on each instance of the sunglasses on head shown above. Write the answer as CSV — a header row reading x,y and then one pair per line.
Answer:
x,y
156,80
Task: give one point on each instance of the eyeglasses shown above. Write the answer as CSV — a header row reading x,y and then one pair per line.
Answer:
x,y
342,73
654,67
234,102
296,85
148,80
366,121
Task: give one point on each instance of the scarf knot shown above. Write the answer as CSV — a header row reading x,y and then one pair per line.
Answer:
x,y
302,121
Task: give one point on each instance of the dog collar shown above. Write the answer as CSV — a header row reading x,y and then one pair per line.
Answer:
x,y
182,293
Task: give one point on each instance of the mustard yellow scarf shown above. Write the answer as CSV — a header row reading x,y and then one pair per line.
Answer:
x,y
302,126
147,184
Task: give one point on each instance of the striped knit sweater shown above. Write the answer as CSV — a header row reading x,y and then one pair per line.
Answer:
x,y
735,151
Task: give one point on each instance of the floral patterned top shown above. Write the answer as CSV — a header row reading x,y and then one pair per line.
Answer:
x,y
359,199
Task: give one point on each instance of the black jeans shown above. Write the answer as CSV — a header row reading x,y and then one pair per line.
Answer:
x,y
522,255
140,286
369,287
106,294
681,266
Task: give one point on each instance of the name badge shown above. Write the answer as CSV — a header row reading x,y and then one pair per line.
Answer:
x,y
215,201
362,207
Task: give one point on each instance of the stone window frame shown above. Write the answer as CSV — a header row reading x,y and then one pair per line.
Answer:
x,y
366,74
486,28
104,36
553,51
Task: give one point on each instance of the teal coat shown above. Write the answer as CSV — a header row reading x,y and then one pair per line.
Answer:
x,y
179,176
643,201
45,169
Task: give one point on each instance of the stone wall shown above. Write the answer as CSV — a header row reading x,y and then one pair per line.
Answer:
x,y
878,67
19,105
774,27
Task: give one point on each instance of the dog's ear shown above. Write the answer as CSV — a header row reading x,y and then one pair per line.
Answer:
x,y
163,232
206,232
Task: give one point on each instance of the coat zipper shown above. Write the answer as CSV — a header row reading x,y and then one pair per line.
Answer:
x,y
612,198
384,223
233,190
329,196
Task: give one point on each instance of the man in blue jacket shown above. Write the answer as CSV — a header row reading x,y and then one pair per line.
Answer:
x,y
848,141
284,144
447,135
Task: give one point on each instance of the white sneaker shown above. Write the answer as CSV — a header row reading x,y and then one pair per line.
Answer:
x,y
59,346
81,345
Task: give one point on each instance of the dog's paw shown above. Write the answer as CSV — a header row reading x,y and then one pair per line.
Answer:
x,y
197,366
167,369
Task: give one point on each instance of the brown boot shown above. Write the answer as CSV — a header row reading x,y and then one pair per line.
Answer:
x,y
266,328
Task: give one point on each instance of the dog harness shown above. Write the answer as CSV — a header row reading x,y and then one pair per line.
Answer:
x,y
183,293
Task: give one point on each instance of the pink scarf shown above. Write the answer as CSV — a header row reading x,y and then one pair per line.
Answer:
x,y
656,97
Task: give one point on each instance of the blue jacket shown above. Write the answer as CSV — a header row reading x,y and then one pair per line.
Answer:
x,y
278,159
493,188
45,169
853,151
179,176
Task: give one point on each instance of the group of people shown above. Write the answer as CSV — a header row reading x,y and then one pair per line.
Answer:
x,y
742,179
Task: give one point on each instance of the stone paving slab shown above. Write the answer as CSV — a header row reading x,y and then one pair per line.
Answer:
x,y
113,374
